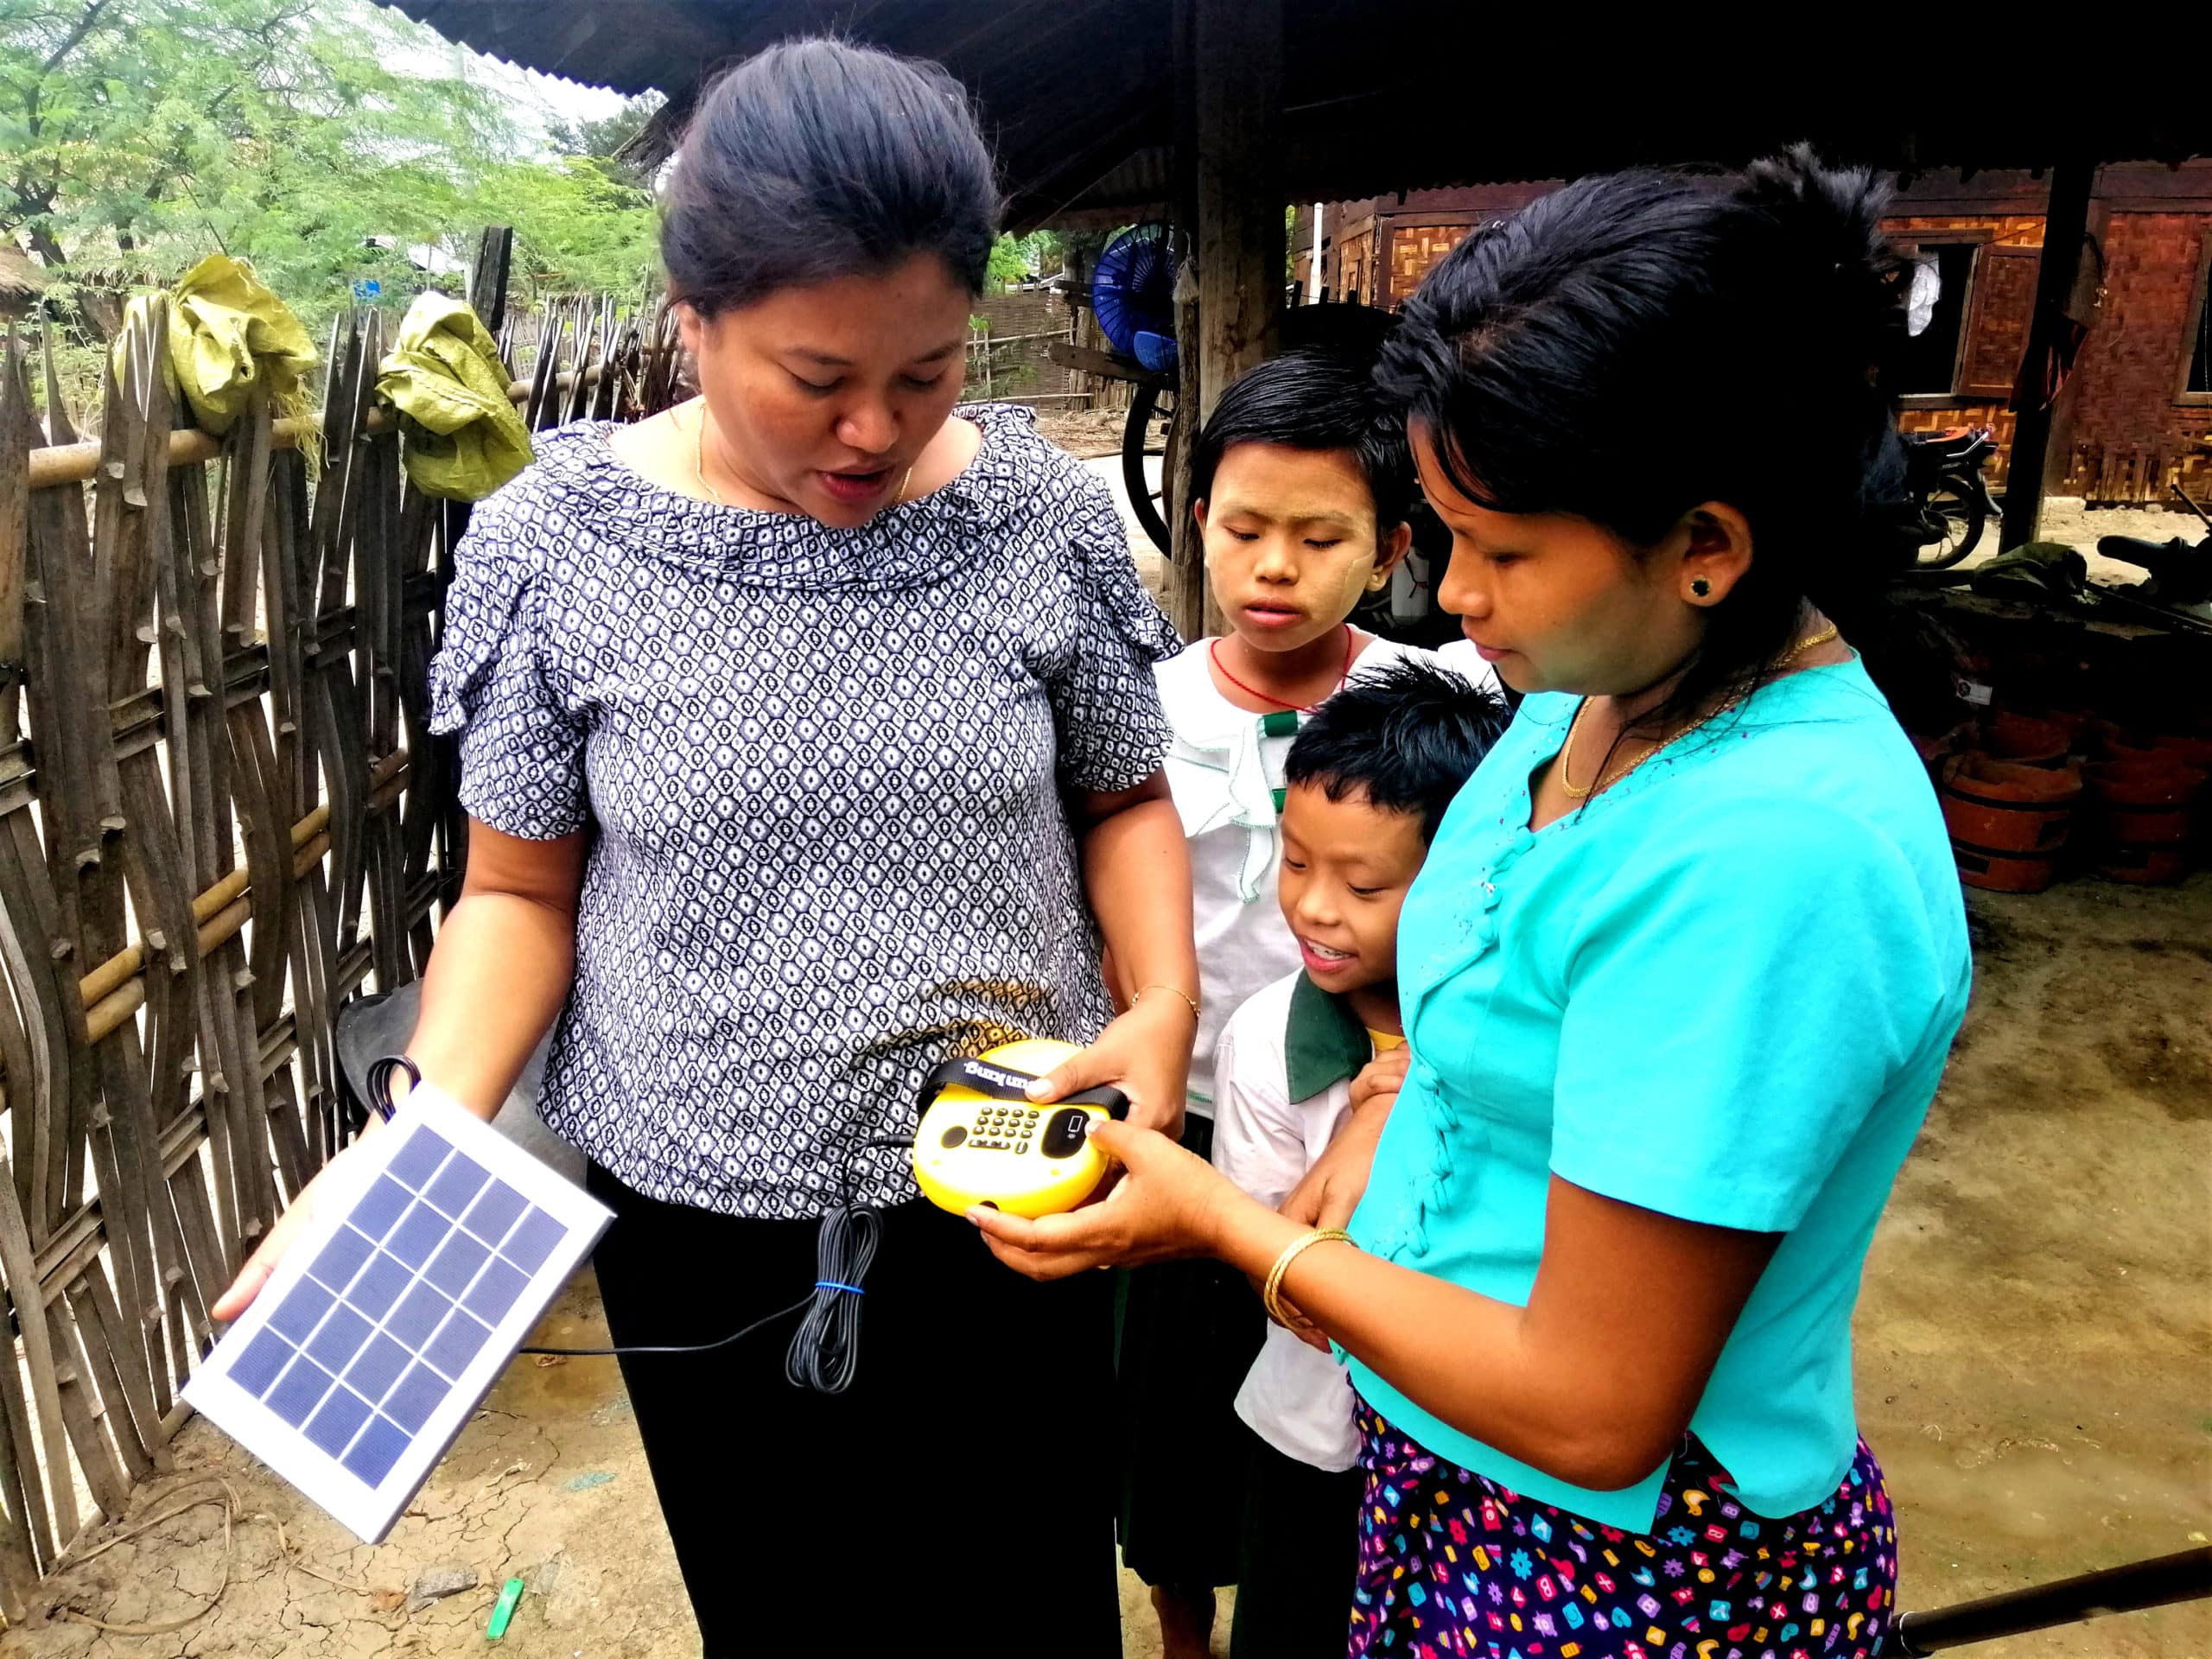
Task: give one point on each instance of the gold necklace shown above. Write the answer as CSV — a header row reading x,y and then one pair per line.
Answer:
x,y
1584,791
699,457
699,464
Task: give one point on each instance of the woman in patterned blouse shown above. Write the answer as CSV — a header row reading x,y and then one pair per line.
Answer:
x,y
808,737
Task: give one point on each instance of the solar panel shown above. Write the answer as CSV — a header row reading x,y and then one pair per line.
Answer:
x,y
390,1317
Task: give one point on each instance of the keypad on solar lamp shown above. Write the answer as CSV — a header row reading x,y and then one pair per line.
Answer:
x,y
1004,1128
362,1349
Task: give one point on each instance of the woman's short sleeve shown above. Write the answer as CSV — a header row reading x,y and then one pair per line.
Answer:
x,y
1736,1004
1113,735
521,746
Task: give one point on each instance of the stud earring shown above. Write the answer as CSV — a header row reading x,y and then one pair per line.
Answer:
x,y
1700,587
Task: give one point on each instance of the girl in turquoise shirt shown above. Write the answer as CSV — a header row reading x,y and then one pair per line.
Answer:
x,y
1678,977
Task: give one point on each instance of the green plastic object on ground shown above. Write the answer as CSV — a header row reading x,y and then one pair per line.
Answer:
x,y
460,437
503,1609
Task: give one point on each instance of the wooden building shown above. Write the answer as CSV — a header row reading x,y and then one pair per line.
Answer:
x,y
1214,113
2139,407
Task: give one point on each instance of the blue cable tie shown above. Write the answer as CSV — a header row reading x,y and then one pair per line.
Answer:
x,y
831,1284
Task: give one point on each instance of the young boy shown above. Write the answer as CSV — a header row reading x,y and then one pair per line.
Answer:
x,y
1301,482
1367,783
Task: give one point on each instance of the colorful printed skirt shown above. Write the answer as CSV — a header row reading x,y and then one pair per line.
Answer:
x,y
1452,1564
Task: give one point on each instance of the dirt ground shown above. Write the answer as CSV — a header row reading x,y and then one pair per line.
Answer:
x,y
2035,1367
1084,432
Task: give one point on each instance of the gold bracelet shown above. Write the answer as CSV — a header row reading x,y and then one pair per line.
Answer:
x,y
1163,985
1271,1298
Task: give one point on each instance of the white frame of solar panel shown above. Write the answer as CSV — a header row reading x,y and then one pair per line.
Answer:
x,y
368,1510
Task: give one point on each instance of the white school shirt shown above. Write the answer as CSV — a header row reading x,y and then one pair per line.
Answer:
x,y
1273,1116
1224,771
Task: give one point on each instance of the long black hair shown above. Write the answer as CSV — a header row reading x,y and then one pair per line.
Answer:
x,y
815,160
1610,351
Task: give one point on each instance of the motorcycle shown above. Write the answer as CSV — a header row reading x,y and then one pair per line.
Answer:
x,y
1947,500
2180,570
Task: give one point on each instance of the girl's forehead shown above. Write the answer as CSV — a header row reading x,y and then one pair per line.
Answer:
x,y
1287,483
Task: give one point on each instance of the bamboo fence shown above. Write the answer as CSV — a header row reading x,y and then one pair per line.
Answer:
x,y
220,815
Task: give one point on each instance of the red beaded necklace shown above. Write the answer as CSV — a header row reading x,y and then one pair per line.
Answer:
x,y
1351,639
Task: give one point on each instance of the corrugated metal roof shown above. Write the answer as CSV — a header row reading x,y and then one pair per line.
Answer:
x,y
1380,95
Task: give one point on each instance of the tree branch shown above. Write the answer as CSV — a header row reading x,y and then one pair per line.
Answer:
x,y
84,28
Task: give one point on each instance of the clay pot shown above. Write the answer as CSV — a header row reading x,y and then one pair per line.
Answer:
x,y
2008,820
2027,741
2185,747
2144,815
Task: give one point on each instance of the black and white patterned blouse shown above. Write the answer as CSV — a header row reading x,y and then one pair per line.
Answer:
x,y
825,771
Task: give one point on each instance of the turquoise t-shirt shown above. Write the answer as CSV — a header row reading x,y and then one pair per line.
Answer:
x,y
1723,989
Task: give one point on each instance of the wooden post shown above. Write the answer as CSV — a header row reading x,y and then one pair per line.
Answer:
x,y
1189,600
2064,220
1184,596
1237,60
487,276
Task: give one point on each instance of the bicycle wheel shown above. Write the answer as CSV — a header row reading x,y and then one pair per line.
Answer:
x,y
1144,438
1952,523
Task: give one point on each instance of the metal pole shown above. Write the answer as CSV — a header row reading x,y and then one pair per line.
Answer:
x,y
2185,1577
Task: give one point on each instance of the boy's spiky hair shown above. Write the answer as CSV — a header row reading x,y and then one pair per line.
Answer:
x,y
1406,736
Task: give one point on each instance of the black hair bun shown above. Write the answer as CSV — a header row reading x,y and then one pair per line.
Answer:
x,y
1831,243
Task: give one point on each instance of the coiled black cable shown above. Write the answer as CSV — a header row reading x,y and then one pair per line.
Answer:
x,y
825,1350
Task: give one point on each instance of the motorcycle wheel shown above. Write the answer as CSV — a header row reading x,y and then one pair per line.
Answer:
x,y
1951,522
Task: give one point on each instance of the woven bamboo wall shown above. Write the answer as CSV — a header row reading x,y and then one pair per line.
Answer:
x,y
219,815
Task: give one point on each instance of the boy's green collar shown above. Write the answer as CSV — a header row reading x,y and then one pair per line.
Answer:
x,y
1325,1043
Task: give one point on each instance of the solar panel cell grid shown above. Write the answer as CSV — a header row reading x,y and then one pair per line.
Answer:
x,y
377,1450
262,1364
379,1286
419,1314
382,1206
376,1368
333,1426
494,1212
338,1338
456,1342
533,1239
420,1233
411,1404
494,1291
371,1354
455,1185
300,1390
341,1259
414,1164
456,1264
299,1314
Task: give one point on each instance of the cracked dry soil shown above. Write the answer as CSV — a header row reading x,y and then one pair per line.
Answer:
x,y
2035,1346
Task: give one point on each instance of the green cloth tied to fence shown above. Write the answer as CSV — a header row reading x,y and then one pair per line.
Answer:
x,y
462,436
229,339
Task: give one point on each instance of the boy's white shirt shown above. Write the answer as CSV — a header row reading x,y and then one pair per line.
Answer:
x,y
1295,1398
1223,774
1461,657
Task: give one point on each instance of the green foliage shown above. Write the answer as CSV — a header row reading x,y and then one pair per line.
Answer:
x,y
603,139
1020,259
320,141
